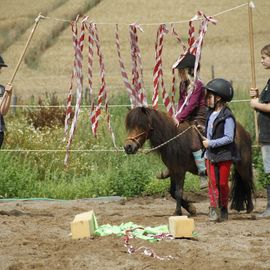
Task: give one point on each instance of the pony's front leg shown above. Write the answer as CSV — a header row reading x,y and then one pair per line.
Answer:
x,y
177,184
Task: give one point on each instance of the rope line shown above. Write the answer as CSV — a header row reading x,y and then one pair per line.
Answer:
x,y
173,138
89,106
150,24
60,150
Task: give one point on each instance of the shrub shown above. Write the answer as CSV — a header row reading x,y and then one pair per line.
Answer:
x,y
47,116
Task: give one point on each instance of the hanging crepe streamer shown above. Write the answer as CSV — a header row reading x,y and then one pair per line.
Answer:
x,y
183,48
158,73
91,43
103,89
79,81
157,67
69,97
134,99
195,45
191,34
137,70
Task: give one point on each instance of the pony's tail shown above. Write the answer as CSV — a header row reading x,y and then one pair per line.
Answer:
x,y
242,190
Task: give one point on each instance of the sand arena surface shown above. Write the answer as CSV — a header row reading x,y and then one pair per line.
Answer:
x,y
35,235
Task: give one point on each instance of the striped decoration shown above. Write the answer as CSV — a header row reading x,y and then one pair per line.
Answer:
x,y
79,80
158,73
69,97
91,44
195,45
183,48
135,89
137,70
133,97
103,88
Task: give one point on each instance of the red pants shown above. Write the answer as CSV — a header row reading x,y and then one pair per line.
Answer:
x,y
218,197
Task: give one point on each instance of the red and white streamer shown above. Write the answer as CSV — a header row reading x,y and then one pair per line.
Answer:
x,y
145,250
137,70
69,97
195,45
158,73
134,99
79,81
91,44
103,88
183,49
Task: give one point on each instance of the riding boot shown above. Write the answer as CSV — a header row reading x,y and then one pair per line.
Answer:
x,y
163,175
266,212
214,214
200,163
223,213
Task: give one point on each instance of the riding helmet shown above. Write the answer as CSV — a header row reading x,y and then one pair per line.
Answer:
x,y
2,63
187,62
220,87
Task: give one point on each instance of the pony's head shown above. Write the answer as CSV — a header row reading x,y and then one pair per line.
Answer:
x,y
138,126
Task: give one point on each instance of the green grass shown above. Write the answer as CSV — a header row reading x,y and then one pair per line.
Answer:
x,y
88,174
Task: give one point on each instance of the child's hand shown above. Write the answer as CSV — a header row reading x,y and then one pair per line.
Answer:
x,y
205,143
254,92
8,88
254,102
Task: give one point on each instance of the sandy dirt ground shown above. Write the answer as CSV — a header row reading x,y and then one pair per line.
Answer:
x,y
36,235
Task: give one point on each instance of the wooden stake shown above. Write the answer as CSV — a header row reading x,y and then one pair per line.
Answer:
x,y
25,48
252,62
5,102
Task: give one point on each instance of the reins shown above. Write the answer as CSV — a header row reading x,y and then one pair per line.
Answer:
x,y
135,139
173,138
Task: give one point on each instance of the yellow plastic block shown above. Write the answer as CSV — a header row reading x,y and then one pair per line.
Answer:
x,y
83,225
181,226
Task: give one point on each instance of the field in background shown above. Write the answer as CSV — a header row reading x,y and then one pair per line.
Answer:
x,y
50,55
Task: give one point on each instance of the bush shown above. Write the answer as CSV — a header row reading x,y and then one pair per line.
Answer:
x,y
46,116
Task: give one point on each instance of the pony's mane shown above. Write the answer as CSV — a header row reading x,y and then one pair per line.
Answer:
x,y
141,117
138,118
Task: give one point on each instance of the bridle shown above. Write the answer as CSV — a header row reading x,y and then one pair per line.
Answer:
x,y
135,138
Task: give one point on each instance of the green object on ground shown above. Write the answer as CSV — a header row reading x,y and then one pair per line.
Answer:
x,y
137,231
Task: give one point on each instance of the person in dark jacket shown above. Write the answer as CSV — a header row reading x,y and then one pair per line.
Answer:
x,y
220,146
4,106
262,105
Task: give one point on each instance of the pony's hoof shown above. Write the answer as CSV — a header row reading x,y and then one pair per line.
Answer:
x,y
177,213
192,211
